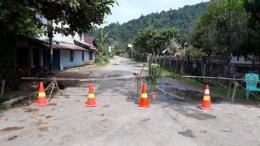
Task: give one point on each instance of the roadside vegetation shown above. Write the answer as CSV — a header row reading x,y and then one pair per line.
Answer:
x,y
221,28
217,86
102,60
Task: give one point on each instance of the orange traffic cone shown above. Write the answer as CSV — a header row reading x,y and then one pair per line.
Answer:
x,y
41,101
143,97
91,101
206,103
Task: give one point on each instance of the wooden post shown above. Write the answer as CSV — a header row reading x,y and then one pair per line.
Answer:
x,y
163,60
182,68
234,92
201,68
170,62
211,69
159,60
187,60
229,90
174,64
3,87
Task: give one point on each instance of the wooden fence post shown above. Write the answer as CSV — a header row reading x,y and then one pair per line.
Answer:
x,y
234,92
229,90
170,62
3,87
163,61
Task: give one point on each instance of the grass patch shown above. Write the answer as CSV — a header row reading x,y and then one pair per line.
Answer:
x,y
2,107
102,60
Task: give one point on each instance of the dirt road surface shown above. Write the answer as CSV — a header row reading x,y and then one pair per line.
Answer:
x,y
118,121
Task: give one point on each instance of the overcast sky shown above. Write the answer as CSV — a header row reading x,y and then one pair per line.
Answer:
x,y
133,9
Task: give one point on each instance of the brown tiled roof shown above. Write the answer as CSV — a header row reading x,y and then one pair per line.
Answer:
x,y
89,39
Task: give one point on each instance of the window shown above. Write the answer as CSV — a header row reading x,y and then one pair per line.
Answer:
x,y
71,56
83,55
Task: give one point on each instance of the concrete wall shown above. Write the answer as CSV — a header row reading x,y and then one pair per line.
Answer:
x,y
87,58
62,38
65,59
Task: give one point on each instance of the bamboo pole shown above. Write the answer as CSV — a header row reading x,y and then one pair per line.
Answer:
x,y
221,78
81,79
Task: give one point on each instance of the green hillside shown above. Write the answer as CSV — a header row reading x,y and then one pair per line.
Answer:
x,y
183,19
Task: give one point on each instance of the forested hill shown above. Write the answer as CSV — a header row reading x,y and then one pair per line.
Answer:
x,y
182,19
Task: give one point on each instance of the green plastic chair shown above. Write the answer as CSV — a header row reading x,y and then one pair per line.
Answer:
x,y
251,80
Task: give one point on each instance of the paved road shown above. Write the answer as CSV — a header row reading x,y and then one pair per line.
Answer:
x,y
117,121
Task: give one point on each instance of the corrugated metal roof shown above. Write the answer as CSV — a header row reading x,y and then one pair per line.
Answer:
x,y
86,45
61,46
65,46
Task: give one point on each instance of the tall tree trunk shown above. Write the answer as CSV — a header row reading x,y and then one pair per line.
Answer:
x,y
8,61
51,53
50,35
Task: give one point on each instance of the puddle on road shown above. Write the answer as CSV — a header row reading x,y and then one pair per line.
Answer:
x,y
128,63
190,96
113,76
195,114
195,96
137,66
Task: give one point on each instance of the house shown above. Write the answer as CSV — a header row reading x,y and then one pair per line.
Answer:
x,y
92,41
70,51
66,51
33,52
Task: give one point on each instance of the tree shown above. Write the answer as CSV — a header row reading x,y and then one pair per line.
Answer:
x,y
80,15
162,38
253,42
15,19
253,7
142,39
222,29
21,18
154,41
